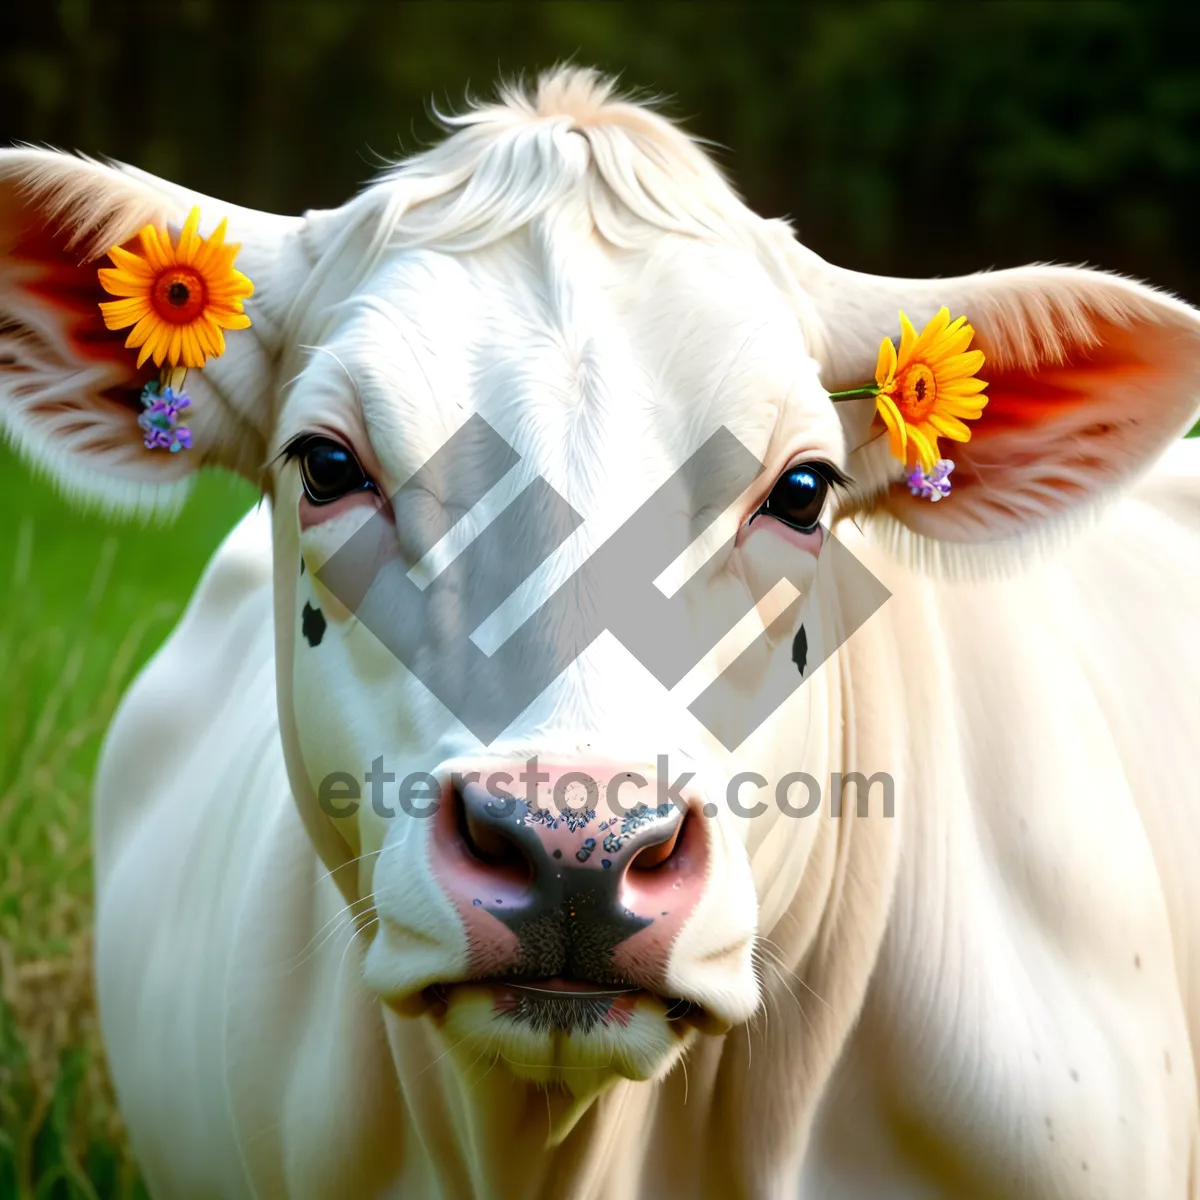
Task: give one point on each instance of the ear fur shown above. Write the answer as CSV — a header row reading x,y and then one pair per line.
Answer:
x,y
69,389
1091,378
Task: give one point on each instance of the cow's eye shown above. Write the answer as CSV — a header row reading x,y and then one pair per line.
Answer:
x,y
329,470
798,499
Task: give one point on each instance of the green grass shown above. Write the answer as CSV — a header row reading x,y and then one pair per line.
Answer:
x,y
84,602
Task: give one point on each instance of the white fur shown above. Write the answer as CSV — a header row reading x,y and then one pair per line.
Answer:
x,y
993,993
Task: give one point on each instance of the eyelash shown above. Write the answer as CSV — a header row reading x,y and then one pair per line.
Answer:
x,y
353,477
836,479
294,448
839,482
831,474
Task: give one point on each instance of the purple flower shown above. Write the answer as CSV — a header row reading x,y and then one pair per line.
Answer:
x,y
933,486
160,416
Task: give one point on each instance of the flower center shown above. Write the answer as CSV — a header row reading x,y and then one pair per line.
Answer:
x,y
917,394
178,295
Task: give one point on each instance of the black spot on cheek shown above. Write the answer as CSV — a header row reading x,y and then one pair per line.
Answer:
x,y
301,567
800,649
312,625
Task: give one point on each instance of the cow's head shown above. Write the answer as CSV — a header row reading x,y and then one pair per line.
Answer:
x,y
539,323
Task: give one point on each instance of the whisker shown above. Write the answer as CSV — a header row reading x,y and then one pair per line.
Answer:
x,y
774,948
328,875
351,941
491,1068
345,916
466,1037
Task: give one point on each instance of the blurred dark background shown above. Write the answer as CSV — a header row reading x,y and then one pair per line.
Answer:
x,y
902,136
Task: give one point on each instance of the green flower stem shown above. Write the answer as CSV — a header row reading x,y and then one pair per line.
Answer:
x,y
869,391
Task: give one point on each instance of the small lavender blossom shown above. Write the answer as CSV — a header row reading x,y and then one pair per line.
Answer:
x,y
159,419
933,486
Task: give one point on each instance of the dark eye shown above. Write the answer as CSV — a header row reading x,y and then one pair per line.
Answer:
x,y
799,497
329,470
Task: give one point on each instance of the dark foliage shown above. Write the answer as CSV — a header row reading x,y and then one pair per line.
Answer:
x,y
903,136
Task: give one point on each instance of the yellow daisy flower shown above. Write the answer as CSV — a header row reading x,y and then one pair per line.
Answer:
x,y
929,387
178,298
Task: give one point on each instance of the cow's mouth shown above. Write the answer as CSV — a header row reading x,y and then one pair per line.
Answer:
x,y
551,1006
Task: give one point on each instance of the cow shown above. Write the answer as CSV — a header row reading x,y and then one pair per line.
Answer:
x,y
984,983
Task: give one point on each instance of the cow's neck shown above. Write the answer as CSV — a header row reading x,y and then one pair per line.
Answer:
x,y
825,885
818,881
480,1131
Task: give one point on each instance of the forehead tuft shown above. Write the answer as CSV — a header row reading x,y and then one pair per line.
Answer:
x,y
573,135
626,173
568,262
550,330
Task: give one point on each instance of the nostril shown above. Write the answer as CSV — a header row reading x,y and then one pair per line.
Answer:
x,y
651,857
488,842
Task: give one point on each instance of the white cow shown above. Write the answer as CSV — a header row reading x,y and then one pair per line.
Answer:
x,y
992,992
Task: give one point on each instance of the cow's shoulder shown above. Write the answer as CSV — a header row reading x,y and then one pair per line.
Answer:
x,y
1136,580
190,792
225,954
221,650
1050,817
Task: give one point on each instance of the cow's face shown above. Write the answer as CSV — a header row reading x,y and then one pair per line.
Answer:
x,y
568,887
569,281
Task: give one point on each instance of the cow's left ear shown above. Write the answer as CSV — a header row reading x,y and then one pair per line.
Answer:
x,y
1090,378
69,389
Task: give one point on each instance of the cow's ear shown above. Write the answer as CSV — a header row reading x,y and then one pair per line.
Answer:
x,y
1090,378
69,389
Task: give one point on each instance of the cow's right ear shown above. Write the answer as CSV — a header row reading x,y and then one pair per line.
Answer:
x,y
1090,378
69,389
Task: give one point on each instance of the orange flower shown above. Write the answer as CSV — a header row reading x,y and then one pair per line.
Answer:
x,y
178,297
929,387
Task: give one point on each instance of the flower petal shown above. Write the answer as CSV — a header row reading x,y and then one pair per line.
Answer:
x,y
151,331
193,356
227,319
209,254
200,331
897,429
157,250
962,387
961,366
885,367
122,283
219,263
950,427
231,284
229,296
189,239
925,446
930,334
131,264
118,314
964,411
953,341
908,339
212,332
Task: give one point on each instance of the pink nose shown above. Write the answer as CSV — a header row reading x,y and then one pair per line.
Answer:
x,y
590,881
